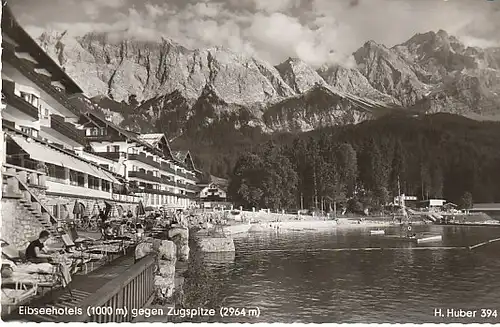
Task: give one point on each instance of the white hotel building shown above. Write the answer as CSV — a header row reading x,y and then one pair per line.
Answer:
x,y
54,156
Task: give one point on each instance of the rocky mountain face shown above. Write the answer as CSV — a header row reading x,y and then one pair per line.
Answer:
x,y
164,87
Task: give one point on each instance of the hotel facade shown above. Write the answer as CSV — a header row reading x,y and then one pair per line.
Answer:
x,y
55,155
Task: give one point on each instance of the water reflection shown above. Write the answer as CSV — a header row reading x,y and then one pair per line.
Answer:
x,y
218,259
302,280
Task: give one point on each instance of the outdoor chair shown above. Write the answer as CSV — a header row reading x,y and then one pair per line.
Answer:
x,y
37,275
16,293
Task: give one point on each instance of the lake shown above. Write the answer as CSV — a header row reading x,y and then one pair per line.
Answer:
x,y
304,277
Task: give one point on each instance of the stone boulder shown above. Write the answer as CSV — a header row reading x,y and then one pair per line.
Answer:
x,y
167,251
164,283
180,236
164,287
143,249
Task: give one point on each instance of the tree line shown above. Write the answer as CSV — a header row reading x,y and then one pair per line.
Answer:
x,y
364,166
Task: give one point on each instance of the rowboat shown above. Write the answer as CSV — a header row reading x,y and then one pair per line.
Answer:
x,y
377,232
427,239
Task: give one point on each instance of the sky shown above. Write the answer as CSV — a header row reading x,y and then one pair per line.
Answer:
x,y
316,31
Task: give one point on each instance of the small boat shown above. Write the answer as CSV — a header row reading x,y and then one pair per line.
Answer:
x,y
434,238
377,232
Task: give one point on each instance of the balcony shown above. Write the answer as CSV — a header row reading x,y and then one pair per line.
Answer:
x,y
109,155
167,181
144,176
17,102
152,191
191,177
43,82
180,173
142,157
166,167
58,124
192,187
103,138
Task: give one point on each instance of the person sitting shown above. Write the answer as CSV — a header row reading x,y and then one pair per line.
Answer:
x,y
139,230
37,252
123,228
109,232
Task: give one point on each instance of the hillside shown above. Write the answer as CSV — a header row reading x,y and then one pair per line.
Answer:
x,y
208,96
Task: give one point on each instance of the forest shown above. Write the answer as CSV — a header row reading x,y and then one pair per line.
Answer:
x,y
359,166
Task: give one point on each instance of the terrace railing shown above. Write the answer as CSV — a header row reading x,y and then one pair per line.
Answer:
x,y
115,301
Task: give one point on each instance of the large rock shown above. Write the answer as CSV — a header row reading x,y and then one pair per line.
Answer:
x,y
164,281
183,253
164,287
180,236
215,244
167,251
143,249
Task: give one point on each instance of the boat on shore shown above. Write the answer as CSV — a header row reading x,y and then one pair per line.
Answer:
x,y
377,232
237,228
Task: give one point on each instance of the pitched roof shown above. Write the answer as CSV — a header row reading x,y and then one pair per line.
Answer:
x,y
219,181
13,29
152,139
180,155
92,116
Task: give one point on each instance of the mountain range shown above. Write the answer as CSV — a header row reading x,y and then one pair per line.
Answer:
x,y
164,87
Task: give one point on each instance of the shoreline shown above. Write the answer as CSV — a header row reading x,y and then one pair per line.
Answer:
x,y
303,225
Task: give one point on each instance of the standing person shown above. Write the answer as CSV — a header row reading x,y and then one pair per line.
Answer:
x,y
42,167
37,252
102,216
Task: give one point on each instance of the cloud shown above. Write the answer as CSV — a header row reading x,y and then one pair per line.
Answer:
x,y
275,5
316,31
94,7
206,9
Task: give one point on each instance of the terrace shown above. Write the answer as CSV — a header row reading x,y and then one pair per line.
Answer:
x,y
116,284
144,176
67,129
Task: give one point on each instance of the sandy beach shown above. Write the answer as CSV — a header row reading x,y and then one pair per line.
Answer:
x,y
309,225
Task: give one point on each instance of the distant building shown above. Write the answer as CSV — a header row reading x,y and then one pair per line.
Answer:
x,y
409,200
432,204
214,193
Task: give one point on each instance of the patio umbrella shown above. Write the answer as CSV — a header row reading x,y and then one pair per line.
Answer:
x,y
140,211
107,210
114,211
95,210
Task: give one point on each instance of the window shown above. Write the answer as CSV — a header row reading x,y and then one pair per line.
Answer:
x,y
46,113
73,178
31,99
56,172
93,182
92,131
29,130
102,130
106,186
116,148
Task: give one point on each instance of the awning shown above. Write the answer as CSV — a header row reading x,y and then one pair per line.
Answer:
x,y
41,152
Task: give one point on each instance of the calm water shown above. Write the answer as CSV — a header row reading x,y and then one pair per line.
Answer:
x,y
295,277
